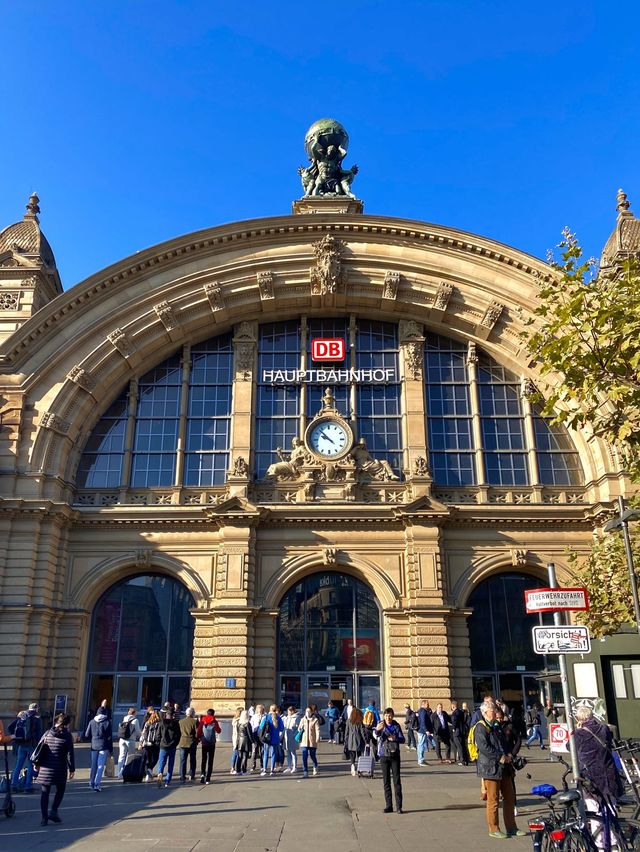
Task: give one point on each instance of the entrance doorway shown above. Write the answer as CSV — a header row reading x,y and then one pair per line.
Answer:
x,y
329,646
141,645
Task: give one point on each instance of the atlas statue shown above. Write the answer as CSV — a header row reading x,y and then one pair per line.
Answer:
x,y
326,145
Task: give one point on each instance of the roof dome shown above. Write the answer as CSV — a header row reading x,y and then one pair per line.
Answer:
x,y
625,239
25,237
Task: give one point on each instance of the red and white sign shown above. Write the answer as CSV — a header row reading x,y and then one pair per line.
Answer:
x,y
559,737
327,349
547,600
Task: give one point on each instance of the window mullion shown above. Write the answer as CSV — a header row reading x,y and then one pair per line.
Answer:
x,y
476,424
529,433
182,416
302,413
128,441
352,365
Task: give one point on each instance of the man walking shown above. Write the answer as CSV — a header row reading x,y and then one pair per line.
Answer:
x,y
26,730
425,730
410,725
534,726
441,731
207,734
128,733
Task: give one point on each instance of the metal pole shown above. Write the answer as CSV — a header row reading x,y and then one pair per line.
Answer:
x,y
632,572
564,680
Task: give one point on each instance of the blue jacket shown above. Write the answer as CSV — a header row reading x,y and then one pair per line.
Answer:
x,y
332,714
99,730
425,725
275,731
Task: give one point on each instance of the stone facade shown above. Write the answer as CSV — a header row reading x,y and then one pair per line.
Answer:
x,y
239,547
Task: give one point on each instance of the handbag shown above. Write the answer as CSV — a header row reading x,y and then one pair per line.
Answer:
x,y
39,751
390,748
110,767
299,735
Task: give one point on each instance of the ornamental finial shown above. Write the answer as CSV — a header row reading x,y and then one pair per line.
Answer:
x,y
33,207
623,204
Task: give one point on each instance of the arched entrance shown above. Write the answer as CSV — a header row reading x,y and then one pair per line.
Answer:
x,y
329,644
141,644
502,659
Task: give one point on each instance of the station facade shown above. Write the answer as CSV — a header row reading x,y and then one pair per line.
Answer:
x,y
292,459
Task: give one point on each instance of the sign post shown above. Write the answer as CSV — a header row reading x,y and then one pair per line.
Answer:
x,y
566,695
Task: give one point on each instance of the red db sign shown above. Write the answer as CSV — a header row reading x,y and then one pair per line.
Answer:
x,y
327,349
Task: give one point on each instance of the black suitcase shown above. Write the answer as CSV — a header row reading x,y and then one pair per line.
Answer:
x,y
135,768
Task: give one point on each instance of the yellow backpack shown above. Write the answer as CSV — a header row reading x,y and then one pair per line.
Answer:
x,y
472,748
368,719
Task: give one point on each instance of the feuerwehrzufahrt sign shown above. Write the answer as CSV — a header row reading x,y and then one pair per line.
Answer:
x,y
561,640
547,600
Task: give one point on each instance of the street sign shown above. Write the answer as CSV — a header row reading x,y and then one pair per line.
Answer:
x,y
559,737
561,640
59,704
546,600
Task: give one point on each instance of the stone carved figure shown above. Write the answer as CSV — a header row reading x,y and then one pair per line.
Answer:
x,y
374,468
326,275
240,467
326,146
291,467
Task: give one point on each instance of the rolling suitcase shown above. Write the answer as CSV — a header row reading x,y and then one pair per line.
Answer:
x,y
366,763
135,768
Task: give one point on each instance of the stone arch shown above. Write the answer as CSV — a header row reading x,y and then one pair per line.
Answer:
x,y
501,563
295,569
86,593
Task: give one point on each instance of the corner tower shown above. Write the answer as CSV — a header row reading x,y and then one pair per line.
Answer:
x,y
28,275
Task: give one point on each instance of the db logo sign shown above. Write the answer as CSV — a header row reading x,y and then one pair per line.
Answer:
x,y
327,349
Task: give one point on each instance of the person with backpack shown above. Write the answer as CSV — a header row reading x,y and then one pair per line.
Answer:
x,y
389,736
101,736
494,767
150,741
168,746
55,762
207,733
27,731
188,744
271,731
410,726
128,733
310,728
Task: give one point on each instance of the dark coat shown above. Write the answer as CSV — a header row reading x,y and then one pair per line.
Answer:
x,y
188,727
354,738
595,759
441,731
457,721
490,747
425,725
100,733
170,733
57,757
245,738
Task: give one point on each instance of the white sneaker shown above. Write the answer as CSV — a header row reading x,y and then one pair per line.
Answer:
x,y
353,769
315,771
285,771
264,772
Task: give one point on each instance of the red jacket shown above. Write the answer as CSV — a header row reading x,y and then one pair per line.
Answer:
x,y
208,720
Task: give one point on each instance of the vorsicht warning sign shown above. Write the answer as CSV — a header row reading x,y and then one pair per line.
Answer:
x,y
547,600
561,640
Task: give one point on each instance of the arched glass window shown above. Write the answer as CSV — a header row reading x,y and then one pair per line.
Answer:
x,y
141,644
161,420
502,424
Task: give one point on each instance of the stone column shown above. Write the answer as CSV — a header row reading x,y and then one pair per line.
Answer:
x,y
244,357
414,432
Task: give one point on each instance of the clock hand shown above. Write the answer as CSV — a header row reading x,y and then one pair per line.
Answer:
x,y
327,438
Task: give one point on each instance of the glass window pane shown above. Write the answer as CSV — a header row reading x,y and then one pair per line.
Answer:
x,y
179,691
106,631
181,630
619,685
635,679
145,624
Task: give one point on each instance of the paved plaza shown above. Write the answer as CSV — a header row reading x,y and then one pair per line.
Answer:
x,y
280,814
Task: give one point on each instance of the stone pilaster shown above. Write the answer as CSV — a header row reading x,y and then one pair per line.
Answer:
x,y
418,656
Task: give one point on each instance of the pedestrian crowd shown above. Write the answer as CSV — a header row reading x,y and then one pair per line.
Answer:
x,y
283,741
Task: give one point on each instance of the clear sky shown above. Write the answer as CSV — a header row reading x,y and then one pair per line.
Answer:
x,y
137,121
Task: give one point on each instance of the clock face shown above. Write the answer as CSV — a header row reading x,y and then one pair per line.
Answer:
x,y
329,439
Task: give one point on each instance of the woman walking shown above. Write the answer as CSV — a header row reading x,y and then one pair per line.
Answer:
x,y
244,744
310,727
389,736
271,731
56,759
290,743
101,736
235,723
150,741
354,742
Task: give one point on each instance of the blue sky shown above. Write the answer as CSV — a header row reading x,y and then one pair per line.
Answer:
x,y
138,121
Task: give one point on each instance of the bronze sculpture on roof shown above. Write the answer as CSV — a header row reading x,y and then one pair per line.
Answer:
x,y
326,144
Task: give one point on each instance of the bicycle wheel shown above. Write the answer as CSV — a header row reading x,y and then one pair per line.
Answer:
x,y
547,844
576,841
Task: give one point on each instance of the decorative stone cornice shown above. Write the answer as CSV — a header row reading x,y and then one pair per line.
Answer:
x,y
489,319
166,315
265,285
122,342
390,285
82,378
441,299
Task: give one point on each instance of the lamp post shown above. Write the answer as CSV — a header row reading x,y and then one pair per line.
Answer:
x,y
622,522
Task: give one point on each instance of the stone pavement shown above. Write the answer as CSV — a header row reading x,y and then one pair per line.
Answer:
x,y
274,814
